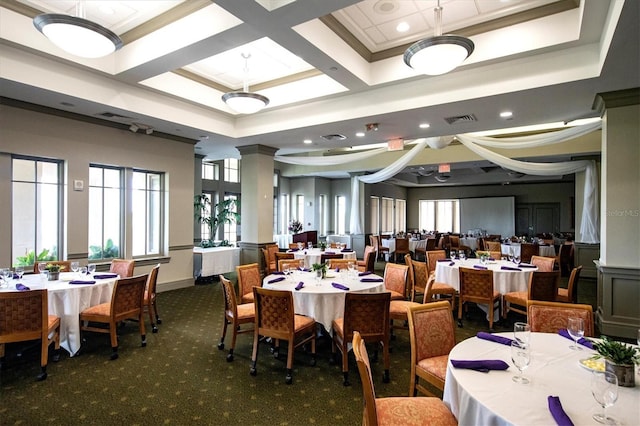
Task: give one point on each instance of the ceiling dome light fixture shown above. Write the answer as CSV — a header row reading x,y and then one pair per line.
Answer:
x,y
245,102
76,35
438,54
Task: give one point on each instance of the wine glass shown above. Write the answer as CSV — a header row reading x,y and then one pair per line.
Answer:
x,y
91,268
604,388
19,271
8,275
522,332
352,273
452,254
42,267
75,266
516,259
575,327
462,255
521,357
3,282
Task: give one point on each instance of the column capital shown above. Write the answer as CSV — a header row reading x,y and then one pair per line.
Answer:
x,y
615,99
257,149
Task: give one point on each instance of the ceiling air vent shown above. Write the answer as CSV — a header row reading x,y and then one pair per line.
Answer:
x,y
461,119
335,137
108,114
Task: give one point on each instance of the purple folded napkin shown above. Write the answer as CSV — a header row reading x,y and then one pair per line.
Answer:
x,y
555,407
275,280
81,282
483,365
479,267
22,287
494,338
510,268
452,263
362,274
371,280
584,342
277,273
346,250
300,285
104,276
305,269
491,259
340,286
444,260
526,265
15,276
337,269
293,249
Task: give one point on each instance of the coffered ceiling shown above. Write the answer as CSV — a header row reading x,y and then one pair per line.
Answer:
x,y
328,68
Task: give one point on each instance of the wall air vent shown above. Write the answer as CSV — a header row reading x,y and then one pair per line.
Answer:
x,y
335,137
467,118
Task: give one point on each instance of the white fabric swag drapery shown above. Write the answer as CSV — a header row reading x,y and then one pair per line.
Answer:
x,y
589,229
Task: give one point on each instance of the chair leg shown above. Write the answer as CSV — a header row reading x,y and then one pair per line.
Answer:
x,y
224,334
114,341
154,329
289,377
155,311
254,356
345,364
43,373
143,334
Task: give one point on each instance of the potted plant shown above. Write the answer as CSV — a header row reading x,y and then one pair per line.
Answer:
x,y
620,359
54,271
320,269
225,211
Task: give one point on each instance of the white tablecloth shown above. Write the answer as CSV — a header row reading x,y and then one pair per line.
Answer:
x,y
470,242
320,300
215,260
514,248
344,239
495,399
67,301
311,256
503,281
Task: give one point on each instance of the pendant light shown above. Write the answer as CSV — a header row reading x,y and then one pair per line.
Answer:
x,y
245,102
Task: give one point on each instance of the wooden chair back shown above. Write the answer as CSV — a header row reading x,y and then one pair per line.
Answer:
x,y
248,278
527,251
544,264
342,264
476,285
432,260
543,285
367,313
493,246
66,265
150,297
369,416
431,244
395,277
274,313
369,258
230,299
550,317
418,277
123,267
326,256
431,330
284,264
565,259
282,256
127,300
572,286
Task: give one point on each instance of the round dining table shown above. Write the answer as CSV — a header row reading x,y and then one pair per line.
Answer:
x,y
319,299
493,398
514,249
66,300
504,280
314,255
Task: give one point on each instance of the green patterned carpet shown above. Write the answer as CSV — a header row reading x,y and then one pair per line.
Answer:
x,y
182,378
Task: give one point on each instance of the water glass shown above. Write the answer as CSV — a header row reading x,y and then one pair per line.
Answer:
x,y
91,268
7,275
3,282
19,271
309,245
575,327
521,357
42,266
461,255
75,266
522,332
452,254
604,388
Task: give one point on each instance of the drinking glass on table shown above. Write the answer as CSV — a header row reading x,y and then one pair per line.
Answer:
x,y
91,268
461,255
521,357
75,266
352,273
3,282
42,267
452,254
7,273
604,388
575,327
516,259
522,332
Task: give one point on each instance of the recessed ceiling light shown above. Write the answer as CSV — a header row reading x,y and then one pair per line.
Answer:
x,y
506,114
424,125
307,141
402,27
360,134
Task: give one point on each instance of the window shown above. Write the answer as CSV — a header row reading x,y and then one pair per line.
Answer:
x,y
341,214
36,188
205,231
210,171
439,215
322,214
386,216
375,215
231,170
401,215
285,217
300,209
231,229
105,205
147,212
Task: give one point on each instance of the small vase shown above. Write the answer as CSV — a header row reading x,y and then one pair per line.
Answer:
x,y
624,373
54,276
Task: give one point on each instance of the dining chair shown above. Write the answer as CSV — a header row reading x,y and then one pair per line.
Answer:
x,y
565,259
248,277
550,317
476,285
496,255
395,410
25,316
420,249
399,309
293,246
326,256
570,294
368,314
342,264
395,280
544,264
234,315
432,260
376,242
527,251
150,304
275,318
66,265
282,256
269,252
122,267
493,246
432,337
284,264
368,261
126,303
542,286
421,280
402,248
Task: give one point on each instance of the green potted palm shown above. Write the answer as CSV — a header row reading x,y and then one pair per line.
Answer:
x,y
225,211
620,359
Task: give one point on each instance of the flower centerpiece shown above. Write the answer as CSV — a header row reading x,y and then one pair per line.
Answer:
x,y
322,245
620,359
320,269
54,270
295,226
